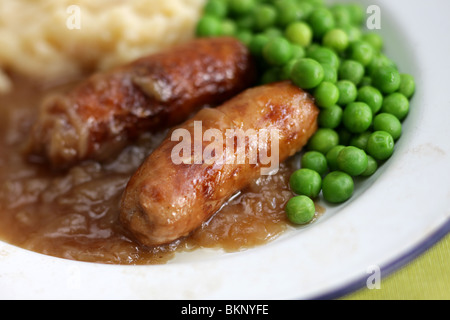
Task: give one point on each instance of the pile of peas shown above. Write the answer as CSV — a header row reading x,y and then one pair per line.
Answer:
x,y
362,96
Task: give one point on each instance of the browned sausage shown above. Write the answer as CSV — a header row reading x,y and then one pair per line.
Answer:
x,y
164,200
95,119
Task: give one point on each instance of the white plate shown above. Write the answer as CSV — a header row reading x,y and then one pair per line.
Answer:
x,y
394,216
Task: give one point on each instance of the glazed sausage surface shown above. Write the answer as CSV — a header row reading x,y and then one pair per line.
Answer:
x,y
99,116
166,199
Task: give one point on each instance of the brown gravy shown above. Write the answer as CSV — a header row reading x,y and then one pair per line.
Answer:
x,y
74,215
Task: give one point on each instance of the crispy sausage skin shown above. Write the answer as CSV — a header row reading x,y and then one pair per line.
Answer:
x,y
100,115
164,201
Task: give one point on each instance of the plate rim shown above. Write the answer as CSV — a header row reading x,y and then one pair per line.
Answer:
x,y
423,243
391,267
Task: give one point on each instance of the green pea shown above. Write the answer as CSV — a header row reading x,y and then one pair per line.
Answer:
x,y
407,85
352,161
209,26
323,140
245,36
341,15
386,79
286,70
336,39
372,167
246,22
362,52
316,161
321,20
277,51
389,123
240,7
374,39
217,8
357,13
311,48
326,94
306,182
379,61
337,187
273,32
258,43
372,96
330,117
365,81
299,33
380,145
332,156
304,9
265,16
298,52
307,73
360,140
396,104
354,33
300,210
347,92
287,12
357,117
329,73
316,3
351,70
324,56
229,27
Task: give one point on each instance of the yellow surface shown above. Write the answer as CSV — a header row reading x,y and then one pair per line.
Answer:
x,y
425,278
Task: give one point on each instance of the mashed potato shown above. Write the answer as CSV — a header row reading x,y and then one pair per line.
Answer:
x,y
54,39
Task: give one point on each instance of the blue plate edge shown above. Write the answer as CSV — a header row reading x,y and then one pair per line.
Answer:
x,y
392,266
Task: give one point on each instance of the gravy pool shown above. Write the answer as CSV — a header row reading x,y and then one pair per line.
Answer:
x,y
74,214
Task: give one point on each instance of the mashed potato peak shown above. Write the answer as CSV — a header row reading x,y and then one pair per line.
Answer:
x,y
39,39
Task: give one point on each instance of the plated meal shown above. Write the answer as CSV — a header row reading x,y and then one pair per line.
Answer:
x,y
222,139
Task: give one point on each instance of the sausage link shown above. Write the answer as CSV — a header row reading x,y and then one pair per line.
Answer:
x,y
99,116
165,199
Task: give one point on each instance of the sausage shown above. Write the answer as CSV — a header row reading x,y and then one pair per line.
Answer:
x,y
99,116
165,199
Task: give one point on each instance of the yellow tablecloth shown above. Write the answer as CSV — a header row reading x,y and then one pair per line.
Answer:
x,y
425,278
